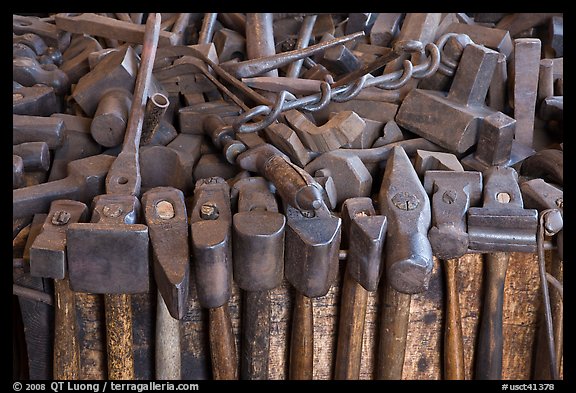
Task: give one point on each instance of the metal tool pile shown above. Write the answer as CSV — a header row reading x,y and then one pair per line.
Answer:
x,y
152,152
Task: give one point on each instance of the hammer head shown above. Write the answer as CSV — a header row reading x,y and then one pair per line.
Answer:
x,y
110,254
453,193
258,237
210,226
502,224
350,175
366,233
48,252
311,251
165,214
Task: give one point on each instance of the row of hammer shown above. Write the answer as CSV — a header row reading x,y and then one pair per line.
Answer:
x,y
427,206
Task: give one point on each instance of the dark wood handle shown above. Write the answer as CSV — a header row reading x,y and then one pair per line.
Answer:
x,y
353,304
453,344
490,340
118,310
255,335
222,344
302,339
393,333
66,348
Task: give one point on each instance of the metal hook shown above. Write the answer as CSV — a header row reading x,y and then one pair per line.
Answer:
x,y
351,91
324,100
402,80
434,62
272,114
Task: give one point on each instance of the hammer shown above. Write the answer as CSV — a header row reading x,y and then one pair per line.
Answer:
x,y
365,233
258,247
453,193
409,261
211,234
501,226
48,260
167,221
311,265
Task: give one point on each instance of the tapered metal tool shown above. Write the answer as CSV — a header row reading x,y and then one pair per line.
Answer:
x,y
364,232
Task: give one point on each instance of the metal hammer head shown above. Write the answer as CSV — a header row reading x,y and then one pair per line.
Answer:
x,y
404,202
110,254
165,215
210,226
502,224
366,234
453,193
258,237
48,252
311,251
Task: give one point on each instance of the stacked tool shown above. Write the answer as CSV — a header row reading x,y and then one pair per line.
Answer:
x,y
288,196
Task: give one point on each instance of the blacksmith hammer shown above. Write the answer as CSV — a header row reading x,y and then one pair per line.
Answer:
x,y
211,234
48,259
364,233
311,264
258,247
409,261
453,192
501,226
167,221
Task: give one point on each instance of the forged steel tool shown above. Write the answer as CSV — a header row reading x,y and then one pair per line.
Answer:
x,y
211,234
452,192
501,226
167,221
48,260
128,263
258,248
311,265
409,261
452,119
364,233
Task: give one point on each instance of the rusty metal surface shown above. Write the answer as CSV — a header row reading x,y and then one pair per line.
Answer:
x,y
454,91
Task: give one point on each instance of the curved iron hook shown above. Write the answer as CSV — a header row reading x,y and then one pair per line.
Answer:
x,y
351,91
324,100
433,64
402,80
240,125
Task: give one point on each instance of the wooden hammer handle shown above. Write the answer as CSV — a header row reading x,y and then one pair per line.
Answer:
x,y
393,334
66,348
118,309
453,345
222,344
302,339
255,353
353,304
490,340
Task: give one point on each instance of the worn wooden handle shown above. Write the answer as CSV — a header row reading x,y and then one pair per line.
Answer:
x,y
255,335
453,344
302,339
490,340
222,344
353,304
168,363
393,334
66,348
118,309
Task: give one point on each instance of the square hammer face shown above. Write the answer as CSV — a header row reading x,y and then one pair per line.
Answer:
x,y
108,258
